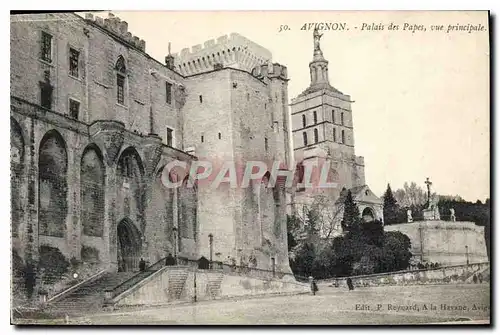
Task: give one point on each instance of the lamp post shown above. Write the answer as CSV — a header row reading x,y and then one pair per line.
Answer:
x,y
467,254
175,242
211,241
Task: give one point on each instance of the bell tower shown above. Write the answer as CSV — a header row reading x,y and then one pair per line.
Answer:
x,y
322,124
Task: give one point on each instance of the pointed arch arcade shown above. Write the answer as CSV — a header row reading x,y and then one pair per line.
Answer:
x,y
52,185
92,179
16,174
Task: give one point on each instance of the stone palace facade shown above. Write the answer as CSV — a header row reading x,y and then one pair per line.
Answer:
x,y
94,121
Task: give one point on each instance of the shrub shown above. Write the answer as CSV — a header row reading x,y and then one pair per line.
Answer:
x,y
52,264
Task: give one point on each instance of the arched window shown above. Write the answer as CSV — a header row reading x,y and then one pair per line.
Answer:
x,y
304,136
315,116
342,118
121,72
304,122
334,134
316,136
333,116
343,137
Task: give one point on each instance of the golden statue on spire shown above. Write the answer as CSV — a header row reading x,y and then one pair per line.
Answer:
x,y
317,37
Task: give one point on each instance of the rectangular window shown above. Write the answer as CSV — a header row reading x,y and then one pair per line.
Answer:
x,y
168,88
266,144
46,47
304,136
46,95
170,137
74,55
74,109
202,139
333,116
120,86
334,135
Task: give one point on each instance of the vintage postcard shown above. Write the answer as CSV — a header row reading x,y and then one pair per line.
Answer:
x,y
249,168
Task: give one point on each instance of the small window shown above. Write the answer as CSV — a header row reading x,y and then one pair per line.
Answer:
x,y
201,99
120,88
304,122
202,139
304,137
220,136
316,136
46,47
266,144
170,137
342,118
315,116
334,135
168,92
343,137
74,109
333,116
248,96
74,56
265,105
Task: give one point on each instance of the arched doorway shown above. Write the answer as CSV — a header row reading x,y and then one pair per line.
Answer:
x,y
129,246
368,215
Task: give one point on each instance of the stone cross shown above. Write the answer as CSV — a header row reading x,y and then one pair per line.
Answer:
x,y
428,183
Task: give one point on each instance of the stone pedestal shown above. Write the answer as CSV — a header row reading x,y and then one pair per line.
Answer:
x,y
431,214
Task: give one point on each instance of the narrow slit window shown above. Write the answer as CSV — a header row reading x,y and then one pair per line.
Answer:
x,y
168,93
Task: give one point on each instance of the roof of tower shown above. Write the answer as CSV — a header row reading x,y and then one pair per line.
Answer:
x,y
357,194
319,87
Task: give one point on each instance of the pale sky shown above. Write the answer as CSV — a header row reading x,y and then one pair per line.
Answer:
x,y
421,99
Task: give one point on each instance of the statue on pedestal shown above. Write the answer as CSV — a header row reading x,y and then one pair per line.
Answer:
x,y
317,37
452,215
408,214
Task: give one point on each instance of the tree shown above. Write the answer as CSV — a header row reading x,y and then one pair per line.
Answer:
x,y
328,215
351,220
391,208
410,195
396,252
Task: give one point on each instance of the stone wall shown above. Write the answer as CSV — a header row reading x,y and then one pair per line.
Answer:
x,y
210,285
444,242
449,274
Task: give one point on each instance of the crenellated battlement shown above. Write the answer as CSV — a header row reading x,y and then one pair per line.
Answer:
x,y
117,27
231,51
271,70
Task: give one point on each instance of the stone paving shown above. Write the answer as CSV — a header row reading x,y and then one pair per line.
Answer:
x,y
334,306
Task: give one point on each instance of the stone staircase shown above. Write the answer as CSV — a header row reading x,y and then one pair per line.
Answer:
x,y
214,285
176,282
485,274
89,297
